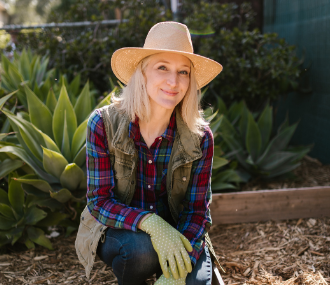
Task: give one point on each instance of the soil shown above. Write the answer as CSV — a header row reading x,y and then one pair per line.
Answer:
x,y
310,173
290,252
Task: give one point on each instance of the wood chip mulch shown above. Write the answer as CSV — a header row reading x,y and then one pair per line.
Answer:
x,y
287,253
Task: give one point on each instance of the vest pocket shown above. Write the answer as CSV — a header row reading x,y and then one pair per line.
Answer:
x,y
122,169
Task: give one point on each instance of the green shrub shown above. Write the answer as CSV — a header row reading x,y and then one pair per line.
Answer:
x,y
257,66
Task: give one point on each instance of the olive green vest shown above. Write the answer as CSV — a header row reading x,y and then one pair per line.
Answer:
x,y
124,159
123,156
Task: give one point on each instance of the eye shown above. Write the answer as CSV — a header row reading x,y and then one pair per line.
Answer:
x,y
184,72
162,67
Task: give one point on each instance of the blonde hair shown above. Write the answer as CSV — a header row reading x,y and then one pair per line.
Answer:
x,y
134,100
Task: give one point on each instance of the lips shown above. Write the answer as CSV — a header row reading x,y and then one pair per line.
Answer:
x,y
170,93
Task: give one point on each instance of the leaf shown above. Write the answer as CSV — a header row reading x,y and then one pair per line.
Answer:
x,y
52,219
63,196
222,186
51,101
65,149
63,107
31,144
34,192
38,236
34,215
79,138
5,98
8,166
29,244
80,158
107,100
40,116
71,176
6,223
25,64
31,179
54,162
265,123
20,152
50,203
16,195
253,138
283,170
4,197
83,106
7,211
228,175
279,142
219,162
74,86
50,144
276,159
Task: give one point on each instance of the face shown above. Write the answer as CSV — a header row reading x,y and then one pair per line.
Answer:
x,y
167,79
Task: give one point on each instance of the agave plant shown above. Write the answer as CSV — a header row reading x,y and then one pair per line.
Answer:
x,y
51,141
256,150
20,218
28,69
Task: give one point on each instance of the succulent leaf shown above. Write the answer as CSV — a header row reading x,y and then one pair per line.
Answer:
x,y
7,211
54,162
79,138
83,106
63,107
40,116
265,123
31,179
219,162
253,138
34,215
65,148
16,195
51,101
5,98
71,176
80,158
8,166
63,196
38,236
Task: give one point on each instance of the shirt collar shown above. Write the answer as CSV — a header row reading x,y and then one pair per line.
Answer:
x,y
169,134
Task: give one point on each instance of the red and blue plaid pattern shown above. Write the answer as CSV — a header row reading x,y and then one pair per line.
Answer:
x,y
150,194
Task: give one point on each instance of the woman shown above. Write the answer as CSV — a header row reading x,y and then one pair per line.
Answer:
x,y
149,161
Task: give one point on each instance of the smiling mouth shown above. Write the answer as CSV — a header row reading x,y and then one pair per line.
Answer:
x,y
170,93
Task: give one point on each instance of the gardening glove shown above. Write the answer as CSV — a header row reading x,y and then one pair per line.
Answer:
x,y
162,280
170,246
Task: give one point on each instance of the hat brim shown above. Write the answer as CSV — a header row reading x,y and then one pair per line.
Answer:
x,y
125,60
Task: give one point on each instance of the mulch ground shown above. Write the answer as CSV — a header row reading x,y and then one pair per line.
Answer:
x,y
290,252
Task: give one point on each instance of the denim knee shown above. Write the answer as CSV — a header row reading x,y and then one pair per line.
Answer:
x,y
130,254
202,271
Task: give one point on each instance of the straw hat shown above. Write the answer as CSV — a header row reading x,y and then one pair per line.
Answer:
x,y
164,37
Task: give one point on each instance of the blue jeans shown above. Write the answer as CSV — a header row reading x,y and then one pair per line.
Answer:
x,y
133,259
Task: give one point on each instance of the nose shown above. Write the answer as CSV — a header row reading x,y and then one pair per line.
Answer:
x,y
172,79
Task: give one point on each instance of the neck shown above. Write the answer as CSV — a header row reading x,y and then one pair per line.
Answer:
x,y
156,126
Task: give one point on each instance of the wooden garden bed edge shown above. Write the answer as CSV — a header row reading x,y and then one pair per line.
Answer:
x,y
276,204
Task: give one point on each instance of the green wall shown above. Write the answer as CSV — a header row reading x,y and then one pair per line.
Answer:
x,y
306,24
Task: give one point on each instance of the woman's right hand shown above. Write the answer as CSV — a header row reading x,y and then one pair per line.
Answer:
x,y
170,245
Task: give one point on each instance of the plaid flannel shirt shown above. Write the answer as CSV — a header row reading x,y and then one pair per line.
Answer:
x,y
150,194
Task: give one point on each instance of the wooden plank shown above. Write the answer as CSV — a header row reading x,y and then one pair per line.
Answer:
x,y
263,205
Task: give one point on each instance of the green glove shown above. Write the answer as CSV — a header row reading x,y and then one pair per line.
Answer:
x,y
170,281
170,246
